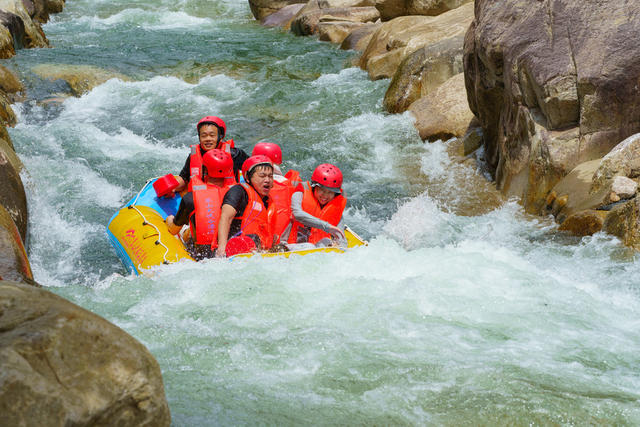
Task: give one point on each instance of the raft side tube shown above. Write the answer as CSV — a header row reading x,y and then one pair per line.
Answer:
x,y
141,239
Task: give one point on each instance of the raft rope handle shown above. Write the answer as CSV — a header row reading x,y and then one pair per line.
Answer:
x,y
159,241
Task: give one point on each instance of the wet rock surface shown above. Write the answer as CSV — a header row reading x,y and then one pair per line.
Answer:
x,y
63,365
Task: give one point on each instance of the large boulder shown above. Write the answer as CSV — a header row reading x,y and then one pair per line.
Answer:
x,y
14,264
423,71
551,89
390,9
7,39
263,8
336,31
623,221
443,113
10,84
359,38
283,17
622,160
32,35
7,115
12,195
307,23
398,38
63,365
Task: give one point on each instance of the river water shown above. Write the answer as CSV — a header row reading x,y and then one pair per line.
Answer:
x,y
444,319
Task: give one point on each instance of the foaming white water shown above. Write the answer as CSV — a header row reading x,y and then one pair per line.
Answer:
x,y
418,222
383,329
141,99
154,19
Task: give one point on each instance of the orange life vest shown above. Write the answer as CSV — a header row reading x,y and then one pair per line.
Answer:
x,y
195,161
331,212
255,219
281,193
207,201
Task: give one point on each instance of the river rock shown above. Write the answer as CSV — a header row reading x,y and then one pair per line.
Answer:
x,y
14,264
81,78
32,35
336,31
63,365
10,84
572,194
390,9
622,160
398,38
4,136
623,221
359,37
307,23
12,195
584,223
7,115
623,187
283,17
444,113
551,89
263,8
423,71
6,42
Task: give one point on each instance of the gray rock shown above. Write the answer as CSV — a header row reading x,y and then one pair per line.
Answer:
x,y
63,365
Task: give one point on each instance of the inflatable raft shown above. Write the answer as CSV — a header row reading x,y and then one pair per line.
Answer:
x,y
140,236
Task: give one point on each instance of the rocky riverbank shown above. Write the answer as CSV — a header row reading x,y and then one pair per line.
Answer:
x,y
549,101
62,365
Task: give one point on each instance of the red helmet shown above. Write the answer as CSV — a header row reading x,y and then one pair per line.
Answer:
x,y
216,121
219,163
270,150
252,162
328,176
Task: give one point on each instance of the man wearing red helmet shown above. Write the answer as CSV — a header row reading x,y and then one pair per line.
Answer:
x,y
317,208
200,208
211,131
247,209
283,186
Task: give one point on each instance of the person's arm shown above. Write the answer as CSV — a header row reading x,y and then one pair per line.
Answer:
x,y
175,223
309,220
184,176
227,214
173,228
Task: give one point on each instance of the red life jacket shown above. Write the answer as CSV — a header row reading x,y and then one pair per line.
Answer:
x,y
207,201
195,161
331,212
281,193
255,219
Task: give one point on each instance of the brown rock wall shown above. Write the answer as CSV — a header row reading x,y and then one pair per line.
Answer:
x,y
12,195
545,81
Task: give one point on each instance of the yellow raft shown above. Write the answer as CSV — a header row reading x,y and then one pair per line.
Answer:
x,y
140,236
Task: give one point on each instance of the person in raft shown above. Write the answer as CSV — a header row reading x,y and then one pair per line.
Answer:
x,y
246,211
211,131
317,208
283,187
200,208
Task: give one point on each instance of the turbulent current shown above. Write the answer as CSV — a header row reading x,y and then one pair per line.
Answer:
x,y
445,318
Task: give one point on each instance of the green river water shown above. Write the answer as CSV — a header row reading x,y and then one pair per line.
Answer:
x,y
444,319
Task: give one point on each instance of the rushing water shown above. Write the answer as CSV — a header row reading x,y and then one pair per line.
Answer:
x,y
443,319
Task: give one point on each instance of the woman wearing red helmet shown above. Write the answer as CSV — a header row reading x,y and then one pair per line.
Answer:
x,y
317,208
211,131
200,208
247,209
